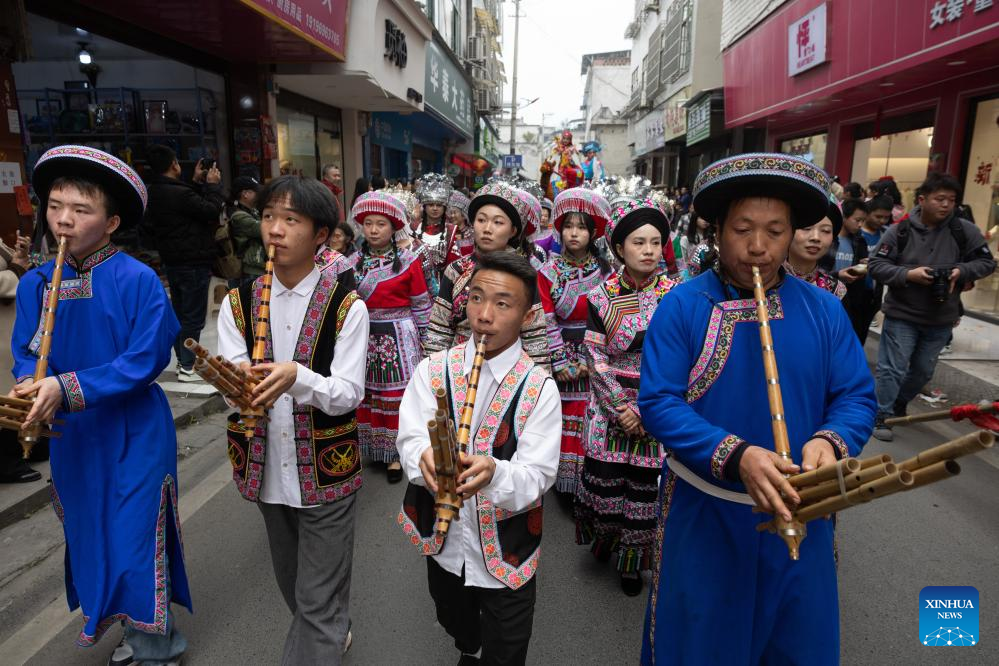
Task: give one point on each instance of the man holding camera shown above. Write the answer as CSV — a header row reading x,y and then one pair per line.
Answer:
x,y
182,219
926,261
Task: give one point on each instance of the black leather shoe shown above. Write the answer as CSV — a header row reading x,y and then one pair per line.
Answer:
x,y
631,584
394,475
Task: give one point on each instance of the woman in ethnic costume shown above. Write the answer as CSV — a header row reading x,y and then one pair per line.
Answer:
x,y
500,214
461,241
545,239
390,282
809,246
429,234
617,490
564,281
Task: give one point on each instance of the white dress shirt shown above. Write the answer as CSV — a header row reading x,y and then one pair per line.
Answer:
x,y
516,483
337,394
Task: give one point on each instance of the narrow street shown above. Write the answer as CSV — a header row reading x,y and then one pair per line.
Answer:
x,y
942,535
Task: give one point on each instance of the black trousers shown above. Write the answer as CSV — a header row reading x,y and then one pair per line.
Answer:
x,y
861,306
497,620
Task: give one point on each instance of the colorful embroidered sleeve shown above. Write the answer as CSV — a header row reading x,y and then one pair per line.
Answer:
x,y
154,329
534,336
441,327
555,342
419,298
850,401
667,356
603,382
30,293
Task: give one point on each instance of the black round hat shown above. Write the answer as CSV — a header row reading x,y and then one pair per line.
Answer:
x,y
118,180
804,186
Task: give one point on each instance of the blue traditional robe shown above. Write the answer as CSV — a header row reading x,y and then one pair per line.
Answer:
x,y
725,593
114,470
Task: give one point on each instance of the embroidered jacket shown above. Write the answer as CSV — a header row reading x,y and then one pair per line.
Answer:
x,y
510,540
563,285
449,324
329,463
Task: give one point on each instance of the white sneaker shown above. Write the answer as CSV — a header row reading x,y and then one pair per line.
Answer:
x,y
122,655
187,376
347,642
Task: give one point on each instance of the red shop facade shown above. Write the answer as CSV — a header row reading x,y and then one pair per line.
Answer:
x,y
874,88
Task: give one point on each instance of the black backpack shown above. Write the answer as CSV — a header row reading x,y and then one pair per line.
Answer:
x,y
956,230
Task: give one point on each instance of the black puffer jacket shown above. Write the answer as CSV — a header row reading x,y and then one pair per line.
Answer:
x,y
181,219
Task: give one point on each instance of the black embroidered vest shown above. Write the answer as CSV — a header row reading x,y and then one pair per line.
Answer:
x,y
328,458
511,541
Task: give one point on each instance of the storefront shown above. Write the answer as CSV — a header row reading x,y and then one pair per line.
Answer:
x,y
907,93
309,135
123,100
448,124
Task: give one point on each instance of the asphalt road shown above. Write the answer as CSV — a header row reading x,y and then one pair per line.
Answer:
x,y
947,534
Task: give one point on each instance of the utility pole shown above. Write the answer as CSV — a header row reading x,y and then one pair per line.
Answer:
x,y
513,101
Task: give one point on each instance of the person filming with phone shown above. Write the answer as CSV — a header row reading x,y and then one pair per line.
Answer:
x,y
181,219
926,261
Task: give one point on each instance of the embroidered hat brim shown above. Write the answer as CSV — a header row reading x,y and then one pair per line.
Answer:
x,y
796,181
116,178
380,203
480,200
582,200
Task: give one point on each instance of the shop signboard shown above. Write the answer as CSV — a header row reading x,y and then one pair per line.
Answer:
x,y
392,130
674,120
513,161
806,41
322,23
446,91
649,132
699,121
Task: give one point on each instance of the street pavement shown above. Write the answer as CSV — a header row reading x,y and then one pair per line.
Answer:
x,y
946,534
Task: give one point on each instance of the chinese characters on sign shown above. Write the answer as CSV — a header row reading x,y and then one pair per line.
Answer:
x,y
395,44
322,22
699,121
948,11
392,130
446,90
806,41
674,120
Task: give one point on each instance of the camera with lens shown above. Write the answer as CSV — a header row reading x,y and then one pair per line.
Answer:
x,y
940,287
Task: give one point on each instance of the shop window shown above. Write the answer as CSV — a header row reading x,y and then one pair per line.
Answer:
x,y
811,148
903,155
981,194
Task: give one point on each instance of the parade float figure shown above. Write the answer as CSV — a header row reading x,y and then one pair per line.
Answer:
x,y
705,395
114,468
562,168
581,216
616,491
429,232
593,168
390,282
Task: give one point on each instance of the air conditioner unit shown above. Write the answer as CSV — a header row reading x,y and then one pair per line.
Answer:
x,y
482,100
476,48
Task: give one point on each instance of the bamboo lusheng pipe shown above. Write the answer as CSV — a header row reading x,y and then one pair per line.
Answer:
x,y
238,385
210,374
984,407
13,424
935,472
465,423
819,492
251,416
447,501
875,460
900,480
825,473
29,436
791,531
962,446
19,414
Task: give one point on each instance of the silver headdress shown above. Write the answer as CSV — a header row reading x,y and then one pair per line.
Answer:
x,y
434,188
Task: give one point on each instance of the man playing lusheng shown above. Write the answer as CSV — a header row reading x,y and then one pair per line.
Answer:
x,y
482,579
114,470
302,465
725,593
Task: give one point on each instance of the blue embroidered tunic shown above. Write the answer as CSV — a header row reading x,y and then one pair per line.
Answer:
x,y
703,394
114,470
